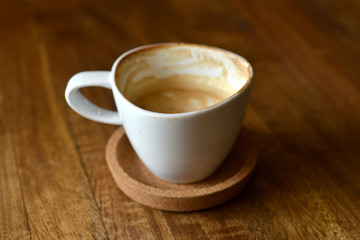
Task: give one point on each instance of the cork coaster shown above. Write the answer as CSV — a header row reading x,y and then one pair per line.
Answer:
x,y
136,181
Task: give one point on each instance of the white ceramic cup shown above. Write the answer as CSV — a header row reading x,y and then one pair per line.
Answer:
x,y
177,147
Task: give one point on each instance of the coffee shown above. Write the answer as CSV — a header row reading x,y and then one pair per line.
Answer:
x,y
178,79
179,93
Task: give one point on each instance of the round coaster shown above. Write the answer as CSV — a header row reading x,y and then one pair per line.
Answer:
x,y
136,181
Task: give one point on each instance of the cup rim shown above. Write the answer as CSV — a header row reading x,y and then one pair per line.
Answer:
x,y
177,115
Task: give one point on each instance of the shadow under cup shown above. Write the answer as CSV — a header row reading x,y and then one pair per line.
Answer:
x,y
178,78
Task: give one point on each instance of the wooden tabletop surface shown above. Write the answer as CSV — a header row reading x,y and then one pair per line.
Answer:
x,y
304,114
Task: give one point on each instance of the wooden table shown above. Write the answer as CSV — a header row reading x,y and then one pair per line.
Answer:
x,y
304,114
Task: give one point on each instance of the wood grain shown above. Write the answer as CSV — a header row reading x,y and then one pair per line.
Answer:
x,y
304,113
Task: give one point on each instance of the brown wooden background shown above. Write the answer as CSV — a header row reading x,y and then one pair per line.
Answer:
x,y
304,113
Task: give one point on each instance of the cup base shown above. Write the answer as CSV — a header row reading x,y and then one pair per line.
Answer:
x,y
137,182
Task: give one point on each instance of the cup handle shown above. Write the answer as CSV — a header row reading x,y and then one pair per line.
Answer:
x,y
82,105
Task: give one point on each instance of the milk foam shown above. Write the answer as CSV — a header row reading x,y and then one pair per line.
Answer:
x,y
177,78
178,93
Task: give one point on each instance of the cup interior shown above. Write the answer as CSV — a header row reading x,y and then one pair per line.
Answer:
x,y
174,78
